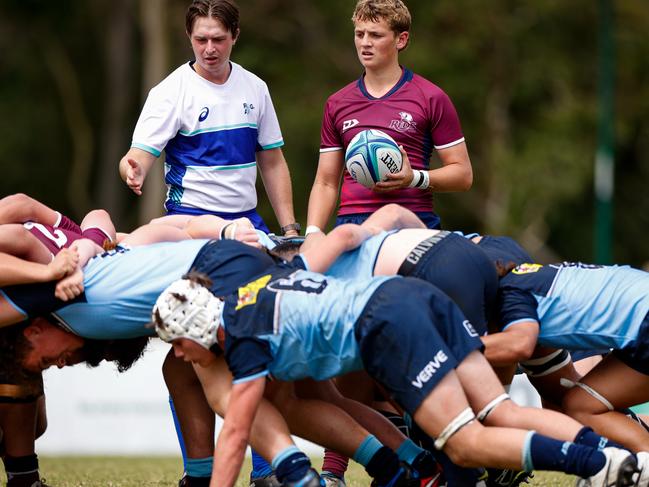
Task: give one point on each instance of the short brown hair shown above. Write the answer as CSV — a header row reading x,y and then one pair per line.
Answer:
x,y
394,12
226,11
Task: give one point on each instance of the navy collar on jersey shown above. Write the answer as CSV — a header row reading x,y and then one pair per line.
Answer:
x,y
405,77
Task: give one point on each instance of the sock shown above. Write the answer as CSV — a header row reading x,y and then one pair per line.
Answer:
x,y
383,466
21,467
179,434
335,464
260,467
199,467
421,460
291,465
588,437
545,453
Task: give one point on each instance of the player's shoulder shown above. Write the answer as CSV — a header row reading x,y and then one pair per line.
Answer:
x,y
171,85
426,86
246,75
348,91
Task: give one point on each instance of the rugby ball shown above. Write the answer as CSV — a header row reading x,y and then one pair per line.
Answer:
x,y
370,156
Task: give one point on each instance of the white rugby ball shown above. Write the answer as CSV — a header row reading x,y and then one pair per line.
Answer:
x,y
371,155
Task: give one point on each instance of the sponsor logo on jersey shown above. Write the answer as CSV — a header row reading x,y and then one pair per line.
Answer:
x,y
248,108
404,124
203,115
469,328
347,124
248,293
526,268
430,369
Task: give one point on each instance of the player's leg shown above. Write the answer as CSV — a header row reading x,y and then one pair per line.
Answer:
x,y
430,390
194,417
611,384
16,240
98,226
20,208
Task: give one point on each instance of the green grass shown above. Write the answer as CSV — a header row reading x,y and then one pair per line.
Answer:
x,y
165,471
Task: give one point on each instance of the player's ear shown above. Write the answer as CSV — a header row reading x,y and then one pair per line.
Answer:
x,y
235,36
33,329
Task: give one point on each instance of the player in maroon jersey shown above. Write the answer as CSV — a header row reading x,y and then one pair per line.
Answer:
x,y
32,231
390,98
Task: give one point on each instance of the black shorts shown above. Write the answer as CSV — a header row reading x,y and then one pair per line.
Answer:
x,y
461,270
411,335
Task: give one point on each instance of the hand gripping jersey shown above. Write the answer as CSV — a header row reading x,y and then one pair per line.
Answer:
x,y
210,134
415,113
578,306
293,324
121,286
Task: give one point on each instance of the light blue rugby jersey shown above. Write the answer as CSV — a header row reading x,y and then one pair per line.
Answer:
x,y
359,263
121,287
308,321
591,306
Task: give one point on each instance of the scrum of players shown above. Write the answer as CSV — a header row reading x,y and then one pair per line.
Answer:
x,y
259,327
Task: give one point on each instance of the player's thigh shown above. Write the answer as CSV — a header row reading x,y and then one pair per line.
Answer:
x,y
480,383
621,385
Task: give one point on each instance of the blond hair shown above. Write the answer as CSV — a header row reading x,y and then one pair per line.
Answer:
x,y
394,12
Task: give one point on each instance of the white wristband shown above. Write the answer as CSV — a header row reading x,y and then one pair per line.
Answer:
x,y
420,179
312,229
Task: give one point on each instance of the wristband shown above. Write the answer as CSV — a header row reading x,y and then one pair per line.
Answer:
x,y
291,226
420,179
312,229
228,234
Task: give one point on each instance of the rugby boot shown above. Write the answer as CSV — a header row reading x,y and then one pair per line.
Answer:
x,y
188,481
619,470
641,478
331,480
268,481
507,478
310,479
31,479
405,477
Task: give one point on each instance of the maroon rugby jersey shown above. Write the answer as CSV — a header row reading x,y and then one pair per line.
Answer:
x,y
416,113
57,238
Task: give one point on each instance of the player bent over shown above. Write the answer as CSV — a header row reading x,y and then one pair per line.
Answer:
x,y
292,323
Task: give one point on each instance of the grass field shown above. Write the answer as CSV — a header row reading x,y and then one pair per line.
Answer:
x,y
163,471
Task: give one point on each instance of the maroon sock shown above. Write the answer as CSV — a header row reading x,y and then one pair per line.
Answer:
x,y
335,463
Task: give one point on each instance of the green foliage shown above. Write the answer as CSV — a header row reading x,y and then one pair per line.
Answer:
x,y
523,77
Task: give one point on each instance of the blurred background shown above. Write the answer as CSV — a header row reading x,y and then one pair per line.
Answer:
x,y
543,90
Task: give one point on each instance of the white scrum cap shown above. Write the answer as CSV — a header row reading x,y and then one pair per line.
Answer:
x,y
187,309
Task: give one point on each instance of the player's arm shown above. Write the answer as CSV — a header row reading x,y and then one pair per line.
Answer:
x,y
235,433
134,167
20,208
455,174
393,217
322,254
18,271
277,181
514,344
324,193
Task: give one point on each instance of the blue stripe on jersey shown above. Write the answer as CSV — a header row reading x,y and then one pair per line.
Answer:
x,y
13,305
221,148
146,148
251,377
217,129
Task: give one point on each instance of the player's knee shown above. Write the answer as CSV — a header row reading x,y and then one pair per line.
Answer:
x,y
502,414
580,405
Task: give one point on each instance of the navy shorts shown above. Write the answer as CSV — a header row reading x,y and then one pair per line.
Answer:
x,y
636,355
461,270
505,250
430,219
410,336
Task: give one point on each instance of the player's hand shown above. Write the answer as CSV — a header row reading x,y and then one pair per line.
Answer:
x,y
70,286
64,263
244,231
134,176
399,179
